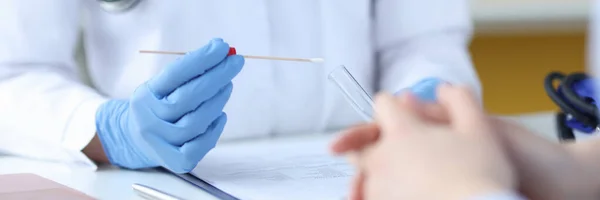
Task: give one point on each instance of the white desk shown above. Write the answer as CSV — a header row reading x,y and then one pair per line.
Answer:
x,y
106,183
112,183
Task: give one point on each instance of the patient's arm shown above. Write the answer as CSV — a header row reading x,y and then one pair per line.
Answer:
x,y
588,152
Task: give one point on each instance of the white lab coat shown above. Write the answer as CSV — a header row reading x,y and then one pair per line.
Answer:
x,y
47,112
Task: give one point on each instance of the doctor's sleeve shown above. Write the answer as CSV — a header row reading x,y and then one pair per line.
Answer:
x,y
417,39
46,112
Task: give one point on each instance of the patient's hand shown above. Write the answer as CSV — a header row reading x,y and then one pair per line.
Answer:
x,y
545,170
412,157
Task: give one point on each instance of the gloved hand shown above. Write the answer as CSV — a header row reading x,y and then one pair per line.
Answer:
x,y
176,117
425,89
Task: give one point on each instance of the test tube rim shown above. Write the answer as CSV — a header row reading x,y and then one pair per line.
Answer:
x,y
352,101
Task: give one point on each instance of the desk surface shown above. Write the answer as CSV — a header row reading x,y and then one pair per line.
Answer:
x,y
112,183
106,183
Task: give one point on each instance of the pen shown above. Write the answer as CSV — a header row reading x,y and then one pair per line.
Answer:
x,y
152,193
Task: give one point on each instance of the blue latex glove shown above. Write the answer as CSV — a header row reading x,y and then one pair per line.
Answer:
x,y
175,118
425,89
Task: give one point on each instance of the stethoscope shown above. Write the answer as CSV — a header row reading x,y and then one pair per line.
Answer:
x,y
117,5
577,103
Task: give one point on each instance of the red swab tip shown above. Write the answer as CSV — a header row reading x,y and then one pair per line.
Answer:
x,y
231,51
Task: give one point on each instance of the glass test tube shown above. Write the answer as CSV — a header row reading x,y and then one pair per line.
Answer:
x,y
353,91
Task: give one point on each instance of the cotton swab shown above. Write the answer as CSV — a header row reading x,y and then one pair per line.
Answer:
x,y
232,51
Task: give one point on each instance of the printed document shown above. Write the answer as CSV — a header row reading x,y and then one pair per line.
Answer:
x,y
299,168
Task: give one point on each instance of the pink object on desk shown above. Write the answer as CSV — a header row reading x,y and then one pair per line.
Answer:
x,y
34,187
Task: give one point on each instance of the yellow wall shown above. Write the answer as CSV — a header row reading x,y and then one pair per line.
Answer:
x,y
512,68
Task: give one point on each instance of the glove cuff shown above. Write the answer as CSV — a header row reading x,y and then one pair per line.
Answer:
x,y
113,135
108,128
425,89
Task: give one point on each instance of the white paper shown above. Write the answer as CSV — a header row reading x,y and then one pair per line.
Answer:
x,y
279,169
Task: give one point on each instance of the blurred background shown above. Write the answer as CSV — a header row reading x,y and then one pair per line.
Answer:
x,y
517,42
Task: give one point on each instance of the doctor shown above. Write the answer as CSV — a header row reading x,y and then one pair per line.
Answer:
x,y
140,111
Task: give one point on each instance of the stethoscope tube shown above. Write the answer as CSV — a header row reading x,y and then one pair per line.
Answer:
x,y
574,98
565,133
